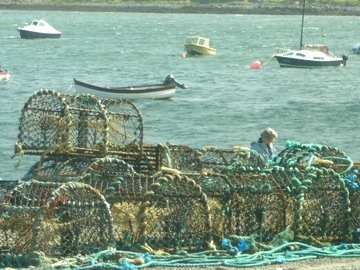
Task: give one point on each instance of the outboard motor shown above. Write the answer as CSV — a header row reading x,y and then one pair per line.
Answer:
x,y
170,80
345,58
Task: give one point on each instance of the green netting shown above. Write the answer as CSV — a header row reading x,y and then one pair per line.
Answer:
x,y
98,189
174,215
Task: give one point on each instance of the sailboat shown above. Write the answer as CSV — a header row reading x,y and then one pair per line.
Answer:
x,y
309,55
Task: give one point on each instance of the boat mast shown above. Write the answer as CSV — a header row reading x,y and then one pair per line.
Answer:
x,y
302,25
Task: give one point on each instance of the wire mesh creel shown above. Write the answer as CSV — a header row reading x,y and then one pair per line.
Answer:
x,y
64,124
55,218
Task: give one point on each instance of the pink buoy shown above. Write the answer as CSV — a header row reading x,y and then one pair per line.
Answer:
x,y
256,65
183,54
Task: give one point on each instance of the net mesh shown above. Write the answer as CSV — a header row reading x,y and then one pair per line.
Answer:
x,y
97,185
55,218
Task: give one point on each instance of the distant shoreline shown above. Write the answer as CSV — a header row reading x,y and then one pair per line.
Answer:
x,y
196,9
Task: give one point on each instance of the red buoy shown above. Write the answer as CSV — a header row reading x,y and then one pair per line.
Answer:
x,y
256,65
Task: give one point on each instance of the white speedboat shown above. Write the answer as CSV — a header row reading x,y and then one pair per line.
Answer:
x,y
39,29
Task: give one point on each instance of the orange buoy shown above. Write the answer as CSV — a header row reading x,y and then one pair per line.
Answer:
x,y
255,65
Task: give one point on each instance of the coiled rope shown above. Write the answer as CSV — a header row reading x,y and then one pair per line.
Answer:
x,y
280,254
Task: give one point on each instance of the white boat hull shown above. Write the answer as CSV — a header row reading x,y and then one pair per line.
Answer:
x,y
4,76
34,34
136,92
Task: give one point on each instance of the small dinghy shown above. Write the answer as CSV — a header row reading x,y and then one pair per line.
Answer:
x,y
163,90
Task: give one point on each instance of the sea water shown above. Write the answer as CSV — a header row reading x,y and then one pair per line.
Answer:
x,y
226,102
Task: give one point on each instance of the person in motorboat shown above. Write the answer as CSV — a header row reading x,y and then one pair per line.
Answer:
x,y
264,145
345,58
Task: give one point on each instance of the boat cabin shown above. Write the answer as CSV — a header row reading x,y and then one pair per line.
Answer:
x,y
305,54
38,23
205,42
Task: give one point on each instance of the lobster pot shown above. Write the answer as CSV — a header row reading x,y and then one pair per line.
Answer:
x,y
64,124
207,159
290,183
87,127
257,206
43,122
115,178
180,157
212,157
243,159
59,169
56,219
301,156
104,172
16,229
355,214
325,210
175,215
216,159
6,186
105,125
123,188
218,188
125,125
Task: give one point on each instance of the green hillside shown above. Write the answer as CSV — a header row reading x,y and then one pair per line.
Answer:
x,y
270,7
344,3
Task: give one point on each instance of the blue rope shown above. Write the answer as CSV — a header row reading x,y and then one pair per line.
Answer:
x,y
209,258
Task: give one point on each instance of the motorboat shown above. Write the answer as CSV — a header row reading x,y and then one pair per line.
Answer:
x,y
39,29
355,49
309,55
196,45
164,90
4,75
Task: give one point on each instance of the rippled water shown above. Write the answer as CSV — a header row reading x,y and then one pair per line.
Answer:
x,y
226,104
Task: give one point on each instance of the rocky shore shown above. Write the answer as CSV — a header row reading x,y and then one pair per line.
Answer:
x,y
173,8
